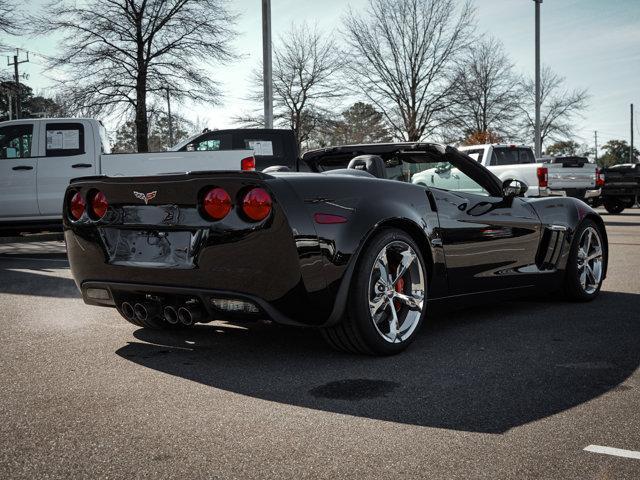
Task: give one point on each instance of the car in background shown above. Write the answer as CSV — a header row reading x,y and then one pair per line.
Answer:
x,y
543,177
38,158
271,147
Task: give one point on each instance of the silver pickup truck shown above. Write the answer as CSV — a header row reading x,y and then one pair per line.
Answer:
x,y
566,176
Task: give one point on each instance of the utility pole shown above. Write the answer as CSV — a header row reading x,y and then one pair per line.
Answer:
x,y
17,77
595,133
169,118
537,142
632,158
266,64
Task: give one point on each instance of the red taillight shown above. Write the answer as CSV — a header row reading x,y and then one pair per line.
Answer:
x,y
248,164
599,178
217,203
543,177
77,206
256,204
99,204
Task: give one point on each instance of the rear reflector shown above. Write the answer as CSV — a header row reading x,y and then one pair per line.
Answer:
x,y
543,177
256,204
77,206
217,203
97,294
234,305
99,204
248,164
327,218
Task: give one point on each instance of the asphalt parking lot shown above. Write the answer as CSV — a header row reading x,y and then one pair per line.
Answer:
x,y
512,390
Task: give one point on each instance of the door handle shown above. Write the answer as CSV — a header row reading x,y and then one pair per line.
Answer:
x,y
23,167
82,165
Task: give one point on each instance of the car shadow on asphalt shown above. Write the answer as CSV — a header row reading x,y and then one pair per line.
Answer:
x,y
18,276
486,369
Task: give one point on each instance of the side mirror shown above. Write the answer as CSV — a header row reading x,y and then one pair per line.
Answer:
x,y
513,188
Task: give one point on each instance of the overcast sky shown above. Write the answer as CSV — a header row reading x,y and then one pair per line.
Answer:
x,y
595,44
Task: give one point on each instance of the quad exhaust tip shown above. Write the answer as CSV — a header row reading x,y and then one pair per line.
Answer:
x,y
171,315
127,310
146,310
189,314
140,311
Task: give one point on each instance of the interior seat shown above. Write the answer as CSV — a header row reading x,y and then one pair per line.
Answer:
x,y
372,164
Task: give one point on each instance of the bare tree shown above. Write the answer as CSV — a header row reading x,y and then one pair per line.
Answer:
x,y
486,92
8,17
401,54
559,107
360,123
306,65
116,53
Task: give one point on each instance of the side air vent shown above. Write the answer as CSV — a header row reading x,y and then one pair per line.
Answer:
x,y
551,247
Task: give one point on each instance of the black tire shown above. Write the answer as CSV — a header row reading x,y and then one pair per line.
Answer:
x,y
573,288
356,332
613,205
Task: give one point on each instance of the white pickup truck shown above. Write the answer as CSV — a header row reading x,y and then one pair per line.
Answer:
x,y
543,178
38,157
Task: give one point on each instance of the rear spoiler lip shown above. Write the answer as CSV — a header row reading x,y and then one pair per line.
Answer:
x,y
163,177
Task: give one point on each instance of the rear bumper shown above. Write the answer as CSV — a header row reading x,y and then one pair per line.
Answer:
x,y
120,292
576,193
260,265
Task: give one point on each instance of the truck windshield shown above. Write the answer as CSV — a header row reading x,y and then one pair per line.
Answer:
x,y
512,156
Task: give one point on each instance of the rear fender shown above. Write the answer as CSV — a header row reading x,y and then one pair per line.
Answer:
x,y
343,244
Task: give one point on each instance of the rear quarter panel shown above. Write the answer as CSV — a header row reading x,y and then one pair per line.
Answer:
x,y
368,205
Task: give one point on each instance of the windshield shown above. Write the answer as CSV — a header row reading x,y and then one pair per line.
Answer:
x,y
442,175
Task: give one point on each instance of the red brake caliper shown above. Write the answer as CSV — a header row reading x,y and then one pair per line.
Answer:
x,y
400,289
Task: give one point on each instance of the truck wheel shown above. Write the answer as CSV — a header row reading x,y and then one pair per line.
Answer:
x,y
586,263
386,304
613,206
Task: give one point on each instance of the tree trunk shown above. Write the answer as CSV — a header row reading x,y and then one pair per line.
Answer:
x,y
142,124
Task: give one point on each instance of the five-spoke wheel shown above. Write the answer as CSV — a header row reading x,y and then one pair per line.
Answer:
x,y
396,291
590,260
586,264
386,304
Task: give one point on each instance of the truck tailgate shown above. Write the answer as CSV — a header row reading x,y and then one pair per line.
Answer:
x,y
145,164
561,178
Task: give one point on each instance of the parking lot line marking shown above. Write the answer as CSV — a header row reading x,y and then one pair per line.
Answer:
x,y
616,452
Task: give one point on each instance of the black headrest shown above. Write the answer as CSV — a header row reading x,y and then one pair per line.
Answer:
x,y
372,164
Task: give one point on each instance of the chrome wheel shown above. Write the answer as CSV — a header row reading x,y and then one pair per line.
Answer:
x,y
590,260
396,291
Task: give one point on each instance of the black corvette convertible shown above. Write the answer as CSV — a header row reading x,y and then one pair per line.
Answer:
x,y
358,252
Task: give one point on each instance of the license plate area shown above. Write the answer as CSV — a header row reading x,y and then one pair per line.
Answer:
x,y
150,248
